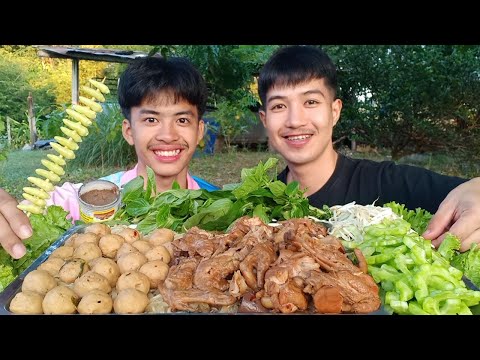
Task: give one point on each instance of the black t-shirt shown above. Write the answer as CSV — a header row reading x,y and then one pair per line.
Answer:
x,y
366,181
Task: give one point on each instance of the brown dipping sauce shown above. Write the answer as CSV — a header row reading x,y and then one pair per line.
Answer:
x,y
99,197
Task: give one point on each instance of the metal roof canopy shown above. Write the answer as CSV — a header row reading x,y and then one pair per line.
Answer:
x,y
77,54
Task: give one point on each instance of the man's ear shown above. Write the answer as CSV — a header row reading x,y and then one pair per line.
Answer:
x,y
263,117
201,130
336,110
127,131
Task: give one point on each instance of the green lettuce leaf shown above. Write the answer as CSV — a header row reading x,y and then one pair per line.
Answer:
x,y
46,229
418,218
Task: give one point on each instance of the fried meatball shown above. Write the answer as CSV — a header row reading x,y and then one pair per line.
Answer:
x,y
156,271
126,248
142,246
158,253
64,252
85,238
107,268
133,280
39,281
130,301
131,262
87,251
95,302
91,281
109,244
52,265
27,302
99,229
60,300
160,236
130,235
72,270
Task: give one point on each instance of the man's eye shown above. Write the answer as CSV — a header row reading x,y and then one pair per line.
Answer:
x,y
150,120
311,102
278,106
183,121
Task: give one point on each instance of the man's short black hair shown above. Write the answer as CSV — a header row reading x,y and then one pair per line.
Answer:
x,y
145,77
293,65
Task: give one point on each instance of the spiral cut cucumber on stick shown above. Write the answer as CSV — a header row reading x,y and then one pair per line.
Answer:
x,y
81,117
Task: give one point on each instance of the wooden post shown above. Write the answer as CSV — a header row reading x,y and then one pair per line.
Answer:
x,y
31,120
353,146
75,80
9,132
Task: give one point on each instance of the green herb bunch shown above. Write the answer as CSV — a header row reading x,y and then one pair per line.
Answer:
x,y
258,194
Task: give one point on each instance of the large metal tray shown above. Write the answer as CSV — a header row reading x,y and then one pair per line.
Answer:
x,y
16,286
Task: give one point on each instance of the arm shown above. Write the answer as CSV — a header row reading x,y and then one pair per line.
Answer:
x,y
14,226
459,213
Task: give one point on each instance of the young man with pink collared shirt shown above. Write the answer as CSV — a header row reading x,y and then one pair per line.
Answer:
x,y
163,101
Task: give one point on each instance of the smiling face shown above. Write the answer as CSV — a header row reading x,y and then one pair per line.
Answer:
x,y
165,135
299,120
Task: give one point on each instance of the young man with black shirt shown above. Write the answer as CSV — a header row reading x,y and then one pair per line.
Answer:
x,y
297,87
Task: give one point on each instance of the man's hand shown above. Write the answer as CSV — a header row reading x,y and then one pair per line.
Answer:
x,y
459,214
14,226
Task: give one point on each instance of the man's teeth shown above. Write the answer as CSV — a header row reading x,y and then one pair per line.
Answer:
x,y
167,153
298,137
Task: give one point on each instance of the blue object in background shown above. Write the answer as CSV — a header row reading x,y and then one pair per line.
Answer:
x,y
211,131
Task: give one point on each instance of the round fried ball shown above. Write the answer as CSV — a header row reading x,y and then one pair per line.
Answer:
x,y
27,302
142,246
52,265
85,238
126,248
158,253
64,252
91,281
134,280
156,271
109,244
39,281
60,300
98,228
72,270
107,268
131,262
95,302
87,251
160,236
130,235
130,301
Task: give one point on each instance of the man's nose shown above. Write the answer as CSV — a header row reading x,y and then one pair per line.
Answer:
x,y
167,132
296,116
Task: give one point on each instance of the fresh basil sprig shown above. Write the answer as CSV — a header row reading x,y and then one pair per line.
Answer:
x,y
258,194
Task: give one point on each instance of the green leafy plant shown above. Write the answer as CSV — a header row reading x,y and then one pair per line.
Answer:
x,y
258,194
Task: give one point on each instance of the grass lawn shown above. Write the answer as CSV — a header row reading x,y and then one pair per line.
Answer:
x,y
22,164
219,169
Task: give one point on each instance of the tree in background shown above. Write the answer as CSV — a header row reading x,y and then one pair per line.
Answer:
x,y
410,98
49,80
14,90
